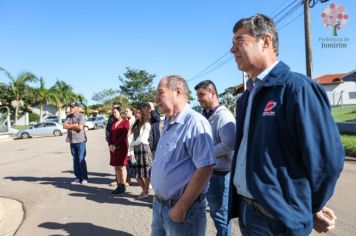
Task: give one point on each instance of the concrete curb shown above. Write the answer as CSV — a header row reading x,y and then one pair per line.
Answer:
x,y
11,216
347,127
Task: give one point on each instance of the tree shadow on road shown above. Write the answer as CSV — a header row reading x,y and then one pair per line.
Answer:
x,y
86,229
90,191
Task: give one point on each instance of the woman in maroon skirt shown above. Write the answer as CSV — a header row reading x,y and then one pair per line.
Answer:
x,y
118,146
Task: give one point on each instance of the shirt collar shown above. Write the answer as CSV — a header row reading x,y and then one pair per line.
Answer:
x,y
181,116
208,114
264,73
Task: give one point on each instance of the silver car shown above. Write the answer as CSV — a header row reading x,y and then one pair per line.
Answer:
x,y
51,119
42,129
95,122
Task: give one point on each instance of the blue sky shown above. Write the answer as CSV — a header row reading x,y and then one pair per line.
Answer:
x,y
89,43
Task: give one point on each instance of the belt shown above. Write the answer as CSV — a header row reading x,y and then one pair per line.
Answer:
x,y
252,203
172,202
220,172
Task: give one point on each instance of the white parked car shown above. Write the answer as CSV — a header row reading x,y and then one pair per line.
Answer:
x,y
94,122
51,118
42,129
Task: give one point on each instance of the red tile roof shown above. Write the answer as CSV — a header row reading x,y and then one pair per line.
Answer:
x,y
330,79
238,89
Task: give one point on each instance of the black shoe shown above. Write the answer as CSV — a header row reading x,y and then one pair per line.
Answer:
x,y
120,189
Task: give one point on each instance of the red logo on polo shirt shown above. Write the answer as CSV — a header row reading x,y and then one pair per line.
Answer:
x,y
269,108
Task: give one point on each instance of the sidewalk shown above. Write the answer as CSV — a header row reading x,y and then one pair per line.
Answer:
x,y
11,216
6,137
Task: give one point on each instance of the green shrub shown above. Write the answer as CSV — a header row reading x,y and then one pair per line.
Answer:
x,y
33,117
20,127
349,142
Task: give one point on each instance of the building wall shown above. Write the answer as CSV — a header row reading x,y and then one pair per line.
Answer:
x,y
48,110
341,94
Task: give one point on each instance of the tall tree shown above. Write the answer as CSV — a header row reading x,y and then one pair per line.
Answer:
x,y
63,94
18,87
3,91
227,98
5,97
136,85
82,100
105,95
42,96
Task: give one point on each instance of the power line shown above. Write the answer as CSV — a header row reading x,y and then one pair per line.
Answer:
x,y
214,67
212,64
295,18
223,60
277,9
274,17
290,12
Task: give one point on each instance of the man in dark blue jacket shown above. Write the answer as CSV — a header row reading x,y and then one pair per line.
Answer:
x,y
288,153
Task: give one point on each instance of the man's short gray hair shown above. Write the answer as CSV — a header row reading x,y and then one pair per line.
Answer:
x,y
174,81
260,25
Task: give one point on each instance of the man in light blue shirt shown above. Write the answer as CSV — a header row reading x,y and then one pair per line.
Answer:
x,y
183,164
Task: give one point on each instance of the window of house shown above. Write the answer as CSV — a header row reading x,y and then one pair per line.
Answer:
x,y
352,95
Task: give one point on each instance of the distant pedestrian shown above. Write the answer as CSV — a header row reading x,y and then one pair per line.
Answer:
x,y
76,136
223,127
155,132
129,112
288,153
118,145
142,153
182,165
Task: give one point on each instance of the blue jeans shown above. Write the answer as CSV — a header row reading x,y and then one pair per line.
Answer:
x,y
253,223
78,151
217,197
194,223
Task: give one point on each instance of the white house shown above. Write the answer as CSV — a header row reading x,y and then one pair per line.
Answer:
x,y
340,88
48,110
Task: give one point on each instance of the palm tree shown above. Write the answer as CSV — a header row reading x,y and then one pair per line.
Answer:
x,y
3,90
18,87
82,100
63,94
43,96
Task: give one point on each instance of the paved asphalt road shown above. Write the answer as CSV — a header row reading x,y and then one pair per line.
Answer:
x,y
38,172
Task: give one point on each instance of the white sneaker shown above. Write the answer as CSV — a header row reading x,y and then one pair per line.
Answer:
x,y
75,182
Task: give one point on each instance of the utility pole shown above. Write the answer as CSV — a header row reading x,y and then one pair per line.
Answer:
x,y
307,34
